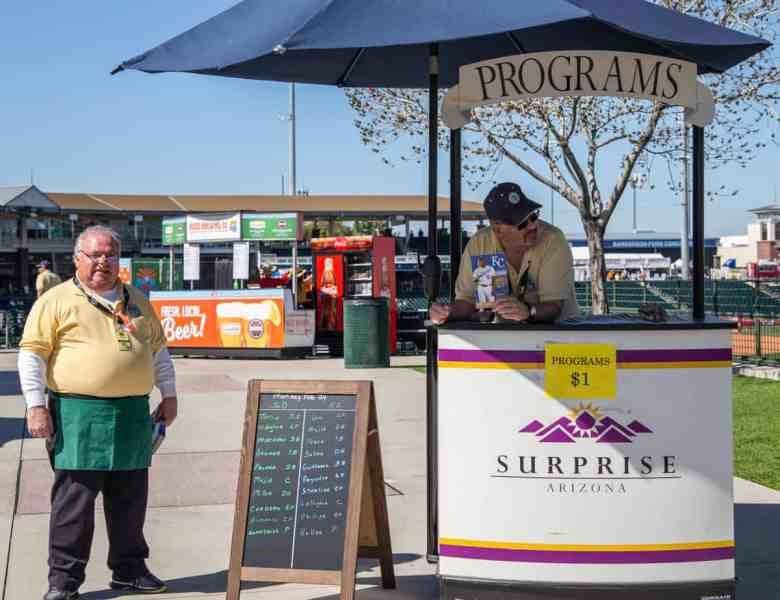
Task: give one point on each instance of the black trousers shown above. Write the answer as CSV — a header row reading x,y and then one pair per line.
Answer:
x,y
72,523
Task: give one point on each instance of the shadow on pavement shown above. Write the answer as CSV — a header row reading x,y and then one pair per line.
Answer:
x,y
9,384
12,428
419,587
212,583
757,529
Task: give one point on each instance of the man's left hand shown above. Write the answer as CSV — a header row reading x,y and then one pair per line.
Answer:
x,y
166,411
512,309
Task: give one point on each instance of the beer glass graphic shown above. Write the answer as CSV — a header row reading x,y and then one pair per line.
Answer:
x,y
260,324
229,320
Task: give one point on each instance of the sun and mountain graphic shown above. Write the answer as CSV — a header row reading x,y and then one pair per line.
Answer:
x,y
585,422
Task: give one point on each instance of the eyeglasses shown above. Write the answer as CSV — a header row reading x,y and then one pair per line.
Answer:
x,y
107,258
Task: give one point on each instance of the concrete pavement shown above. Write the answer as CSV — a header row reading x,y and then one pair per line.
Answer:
x,y
194,476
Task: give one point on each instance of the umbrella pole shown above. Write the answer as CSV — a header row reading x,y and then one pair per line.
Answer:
x,y
432,274
698,223
455,208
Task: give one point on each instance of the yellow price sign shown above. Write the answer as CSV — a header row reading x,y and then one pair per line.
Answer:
x,y
580,371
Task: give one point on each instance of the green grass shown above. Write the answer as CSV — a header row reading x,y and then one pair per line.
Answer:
x,y
757,430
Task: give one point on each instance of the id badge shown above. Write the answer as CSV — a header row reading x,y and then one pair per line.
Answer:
x,y
123,339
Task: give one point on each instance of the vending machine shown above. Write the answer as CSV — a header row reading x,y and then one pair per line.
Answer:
x,y
351,267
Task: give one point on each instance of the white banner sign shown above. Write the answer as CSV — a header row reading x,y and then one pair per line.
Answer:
x,y
241,260
586,73
191,262
214,228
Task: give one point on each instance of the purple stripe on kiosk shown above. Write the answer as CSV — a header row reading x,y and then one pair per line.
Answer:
x,y
588,557
505,356
623,356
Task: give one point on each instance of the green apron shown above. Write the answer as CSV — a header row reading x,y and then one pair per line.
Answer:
x,y
102,434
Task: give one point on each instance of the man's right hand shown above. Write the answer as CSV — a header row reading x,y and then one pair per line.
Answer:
x,y
39,422
440,312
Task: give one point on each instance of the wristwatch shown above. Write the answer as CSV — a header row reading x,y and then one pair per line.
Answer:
x,y
531,312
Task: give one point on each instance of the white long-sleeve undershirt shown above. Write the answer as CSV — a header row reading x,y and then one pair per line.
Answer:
x,y
32,376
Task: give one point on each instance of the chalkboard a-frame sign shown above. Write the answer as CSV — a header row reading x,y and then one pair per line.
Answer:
x,y
311,488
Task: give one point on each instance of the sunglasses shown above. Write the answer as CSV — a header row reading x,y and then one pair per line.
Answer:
x,y
532,218
529,219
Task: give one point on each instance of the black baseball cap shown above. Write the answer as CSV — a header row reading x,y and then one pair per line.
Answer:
x,y
506,203
44,264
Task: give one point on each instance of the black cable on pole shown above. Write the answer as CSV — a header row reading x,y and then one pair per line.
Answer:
x,y
698,223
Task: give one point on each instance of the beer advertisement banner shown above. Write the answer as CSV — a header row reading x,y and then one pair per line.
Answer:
x,y
214,228
174,231
272,226
222,322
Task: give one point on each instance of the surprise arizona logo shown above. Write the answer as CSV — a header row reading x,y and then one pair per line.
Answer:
x,y
585,422
580,455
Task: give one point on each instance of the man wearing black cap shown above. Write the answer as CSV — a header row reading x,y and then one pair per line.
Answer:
x,y
46,279
533,256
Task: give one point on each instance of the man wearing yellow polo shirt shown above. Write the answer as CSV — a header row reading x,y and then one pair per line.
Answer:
x,y
46,279
534,279
99,348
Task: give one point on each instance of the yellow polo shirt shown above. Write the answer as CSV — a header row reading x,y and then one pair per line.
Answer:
x,y
549,266
45,281
79,343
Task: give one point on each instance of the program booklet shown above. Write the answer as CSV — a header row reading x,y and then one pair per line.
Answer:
x,y
491,281
158,435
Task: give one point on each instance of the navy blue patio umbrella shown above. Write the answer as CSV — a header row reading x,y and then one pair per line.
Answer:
x,y
423,43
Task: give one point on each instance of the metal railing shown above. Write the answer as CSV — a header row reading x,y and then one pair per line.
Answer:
x,y
757,340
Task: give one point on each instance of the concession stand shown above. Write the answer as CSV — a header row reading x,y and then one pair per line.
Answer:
x,y
586,459
593,454
590,458
243,322
348,268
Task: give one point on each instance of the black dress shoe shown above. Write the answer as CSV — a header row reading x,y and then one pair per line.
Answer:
x,y
55,594
145,584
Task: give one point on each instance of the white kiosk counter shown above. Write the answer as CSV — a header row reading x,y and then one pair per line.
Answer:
x,y
591,459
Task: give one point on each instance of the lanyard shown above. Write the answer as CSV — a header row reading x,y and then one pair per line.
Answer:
x,y
121,317
522,282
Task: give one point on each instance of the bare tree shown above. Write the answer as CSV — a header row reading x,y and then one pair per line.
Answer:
x,y
558,141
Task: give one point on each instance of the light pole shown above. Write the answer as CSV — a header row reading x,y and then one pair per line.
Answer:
x,y
293,189
290,118
637,181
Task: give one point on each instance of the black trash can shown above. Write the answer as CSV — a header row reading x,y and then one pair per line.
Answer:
x,y
366,323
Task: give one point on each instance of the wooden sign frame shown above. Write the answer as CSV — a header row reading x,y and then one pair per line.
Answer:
x,y
367,530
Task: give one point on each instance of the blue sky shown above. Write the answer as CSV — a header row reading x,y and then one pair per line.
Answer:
x,y
82,130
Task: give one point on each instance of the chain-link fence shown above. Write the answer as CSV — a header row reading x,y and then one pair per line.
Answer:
x,y
757,340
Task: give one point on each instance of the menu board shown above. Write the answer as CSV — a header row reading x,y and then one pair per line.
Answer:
x,y
300,481
311,487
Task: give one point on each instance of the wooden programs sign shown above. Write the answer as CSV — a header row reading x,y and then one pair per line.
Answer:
x,y
578,73
311,487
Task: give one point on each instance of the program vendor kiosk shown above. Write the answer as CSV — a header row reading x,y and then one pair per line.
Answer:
x,y
585,459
